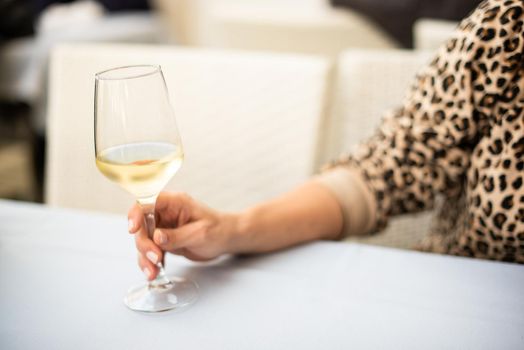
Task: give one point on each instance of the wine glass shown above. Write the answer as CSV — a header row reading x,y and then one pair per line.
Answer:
x,y
137,145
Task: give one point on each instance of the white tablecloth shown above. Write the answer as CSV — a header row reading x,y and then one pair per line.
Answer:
x,y
63,275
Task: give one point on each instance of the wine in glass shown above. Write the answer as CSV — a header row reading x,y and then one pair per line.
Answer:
x,y
137,145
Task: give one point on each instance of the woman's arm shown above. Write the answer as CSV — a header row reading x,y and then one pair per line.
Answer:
x,y
310,212
189,228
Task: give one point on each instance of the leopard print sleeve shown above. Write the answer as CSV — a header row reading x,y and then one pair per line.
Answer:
x,y
423,148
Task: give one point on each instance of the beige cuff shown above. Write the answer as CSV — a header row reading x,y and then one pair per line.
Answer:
x,y
356,200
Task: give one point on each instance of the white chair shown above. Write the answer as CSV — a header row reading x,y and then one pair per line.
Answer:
x,y
429,34
249,123
367,84
298,26
183,19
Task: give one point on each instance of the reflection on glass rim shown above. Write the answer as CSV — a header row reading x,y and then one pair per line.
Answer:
x,y
128,72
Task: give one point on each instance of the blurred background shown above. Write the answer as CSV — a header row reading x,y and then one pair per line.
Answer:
x,y
31,29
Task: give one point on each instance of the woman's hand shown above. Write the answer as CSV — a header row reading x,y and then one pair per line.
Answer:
x,y
184,227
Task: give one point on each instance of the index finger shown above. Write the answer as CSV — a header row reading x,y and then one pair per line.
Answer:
x,y
135,217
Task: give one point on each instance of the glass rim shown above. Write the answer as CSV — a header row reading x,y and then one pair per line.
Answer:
x,y
155,68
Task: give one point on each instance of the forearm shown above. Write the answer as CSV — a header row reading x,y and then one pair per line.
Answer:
x,y
311,212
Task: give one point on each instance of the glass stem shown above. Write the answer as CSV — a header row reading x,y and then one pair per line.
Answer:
x,y
149,217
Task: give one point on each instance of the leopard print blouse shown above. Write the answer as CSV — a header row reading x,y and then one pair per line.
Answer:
x,y
458,136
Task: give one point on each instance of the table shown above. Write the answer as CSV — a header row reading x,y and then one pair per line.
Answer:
x,y
63,274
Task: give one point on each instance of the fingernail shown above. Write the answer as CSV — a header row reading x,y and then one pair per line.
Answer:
x,y
162,237
152,257
130,225
147,272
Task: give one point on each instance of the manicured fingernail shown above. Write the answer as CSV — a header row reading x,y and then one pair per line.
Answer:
x,y
130,225
147,272
162,237
152,257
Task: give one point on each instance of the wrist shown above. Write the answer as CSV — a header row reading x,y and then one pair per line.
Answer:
x,y
240,230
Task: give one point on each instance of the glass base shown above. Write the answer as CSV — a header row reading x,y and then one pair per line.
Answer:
x,y
179,293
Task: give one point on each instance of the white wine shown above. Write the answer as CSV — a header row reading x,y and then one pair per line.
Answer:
x,y
142,169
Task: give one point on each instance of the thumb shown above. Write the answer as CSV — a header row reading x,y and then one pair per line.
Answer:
x,y
169,239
